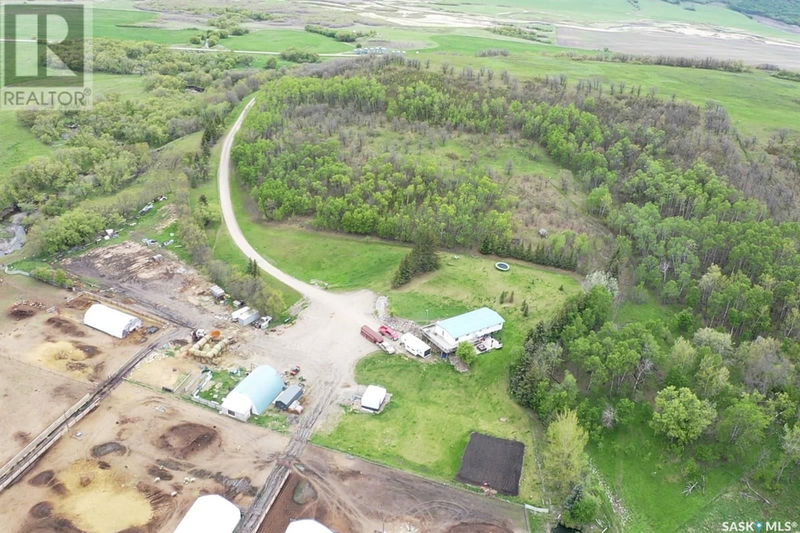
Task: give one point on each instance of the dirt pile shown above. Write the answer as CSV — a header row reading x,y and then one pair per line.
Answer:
x,y
65,326
187,439
65,356
108,447
21,311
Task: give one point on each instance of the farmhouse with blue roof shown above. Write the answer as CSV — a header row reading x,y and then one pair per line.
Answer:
x,y
476,327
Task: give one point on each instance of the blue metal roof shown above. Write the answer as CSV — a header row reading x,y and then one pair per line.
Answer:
x,y
262,386
476,320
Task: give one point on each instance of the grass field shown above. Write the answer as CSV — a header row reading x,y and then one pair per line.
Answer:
x,y
433,410
278,40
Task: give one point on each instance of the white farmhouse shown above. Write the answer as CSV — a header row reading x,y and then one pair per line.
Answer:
x,y
470,327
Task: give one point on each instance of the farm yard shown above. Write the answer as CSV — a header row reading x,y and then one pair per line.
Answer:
x,y
424,458
139,461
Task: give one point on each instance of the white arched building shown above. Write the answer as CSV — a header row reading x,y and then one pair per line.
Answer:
x,y
307,526
111,321
210,514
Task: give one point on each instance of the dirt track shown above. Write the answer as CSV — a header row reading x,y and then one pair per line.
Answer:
x,y
328,327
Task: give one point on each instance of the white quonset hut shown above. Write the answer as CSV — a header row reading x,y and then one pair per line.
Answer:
x,y
210,514
470,327
307,526
373,398
111,321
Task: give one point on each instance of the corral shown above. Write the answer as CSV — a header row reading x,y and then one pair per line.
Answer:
x,y
138,463
46,396
352,495
52,357
492,462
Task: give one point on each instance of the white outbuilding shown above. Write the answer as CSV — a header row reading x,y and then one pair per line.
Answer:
x,y
254,394
373,398
307,526
210,514
111,321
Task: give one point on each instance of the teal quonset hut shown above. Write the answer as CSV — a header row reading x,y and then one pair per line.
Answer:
x,y
254,394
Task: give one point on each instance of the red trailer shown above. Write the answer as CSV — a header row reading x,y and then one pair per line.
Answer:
x,y
371,335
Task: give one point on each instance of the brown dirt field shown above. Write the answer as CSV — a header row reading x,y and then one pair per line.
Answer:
x,y
128,489
360,497
26,414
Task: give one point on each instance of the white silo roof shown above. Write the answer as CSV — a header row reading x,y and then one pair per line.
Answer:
x,y
307,526
110,320
210,514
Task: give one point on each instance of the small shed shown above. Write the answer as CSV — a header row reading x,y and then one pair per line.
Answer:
x,y
373,398
210,514
111,321
254,394
217,292
290,394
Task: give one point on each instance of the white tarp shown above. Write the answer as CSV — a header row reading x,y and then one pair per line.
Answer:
x,y
110,320
373,398
307,526
210,514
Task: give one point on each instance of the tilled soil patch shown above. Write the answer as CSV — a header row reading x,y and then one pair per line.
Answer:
x,y
187,439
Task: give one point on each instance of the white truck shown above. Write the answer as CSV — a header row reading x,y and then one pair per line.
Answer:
x,y
414,345
245,316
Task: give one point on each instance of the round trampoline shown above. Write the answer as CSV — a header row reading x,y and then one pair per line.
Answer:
x,y
502,267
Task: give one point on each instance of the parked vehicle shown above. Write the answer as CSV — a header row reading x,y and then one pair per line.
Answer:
x,y
389,332
388,347
371,335
414,345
